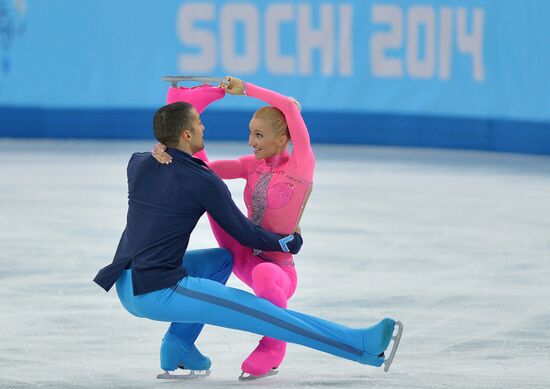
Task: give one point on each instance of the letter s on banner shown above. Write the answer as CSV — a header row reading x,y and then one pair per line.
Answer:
x,y
205,60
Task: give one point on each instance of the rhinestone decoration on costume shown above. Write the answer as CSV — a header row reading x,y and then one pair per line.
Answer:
x,y
259,202
259,196
279,195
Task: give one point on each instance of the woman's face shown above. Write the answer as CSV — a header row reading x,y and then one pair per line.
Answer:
x,y
263,140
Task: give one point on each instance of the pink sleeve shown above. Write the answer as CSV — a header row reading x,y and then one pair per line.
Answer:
x,y
199,96
232,168
226,169
302,151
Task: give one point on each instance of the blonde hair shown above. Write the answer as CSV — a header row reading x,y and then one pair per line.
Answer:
x,y
276,118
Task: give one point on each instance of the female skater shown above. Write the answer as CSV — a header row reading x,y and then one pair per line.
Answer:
x,y
277,188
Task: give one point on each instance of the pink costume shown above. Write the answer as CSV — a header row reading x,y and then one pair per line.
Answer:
x,y
275,193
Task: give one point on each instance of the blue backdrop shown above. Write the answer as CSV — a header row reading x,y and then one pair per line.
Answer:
x,y
464,74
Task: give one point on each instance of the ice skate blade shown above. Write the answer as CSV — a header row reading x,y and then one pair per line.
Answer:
x,y
192,375
396,338
205,80
251,377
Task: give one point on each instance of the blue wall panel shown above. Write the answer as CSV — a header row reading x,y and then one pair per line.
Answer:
x,y
463,74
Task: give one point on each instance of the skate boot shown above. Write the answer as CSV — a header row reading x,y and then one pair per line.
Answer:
x,y
264,360
173,356
377,339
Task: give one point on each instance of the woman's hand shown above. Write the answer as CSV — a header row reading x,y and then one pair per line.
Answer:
x,y
160,154
235,86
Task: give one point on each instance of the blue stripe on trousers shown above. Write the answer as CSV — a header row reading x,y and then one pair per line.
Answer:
x,y
266,318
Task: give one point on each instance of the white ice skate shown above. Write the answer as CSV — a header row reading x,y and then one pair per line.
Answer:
x,y
187,375
250,377
396,338
205,80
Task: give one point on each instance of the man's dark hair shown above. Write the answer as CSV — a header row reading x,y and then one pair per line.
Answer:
x,y
170,121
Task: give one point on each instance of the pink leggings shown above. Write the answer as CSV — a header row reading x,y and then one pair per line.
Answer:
x,y
268,280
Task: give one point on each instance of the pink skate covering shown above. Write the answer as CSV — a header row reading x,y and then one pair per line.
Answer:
x,y
268,355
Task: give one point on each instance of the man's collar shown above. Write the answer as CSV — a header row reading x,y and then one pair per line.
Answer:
x,y
175,153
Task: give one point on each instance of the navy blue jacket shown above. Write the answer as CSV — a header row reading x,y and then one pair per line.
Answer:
x,y
165,202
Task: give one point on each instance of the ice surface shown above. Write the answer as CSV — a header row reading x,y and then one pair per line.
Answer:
x,y
454,244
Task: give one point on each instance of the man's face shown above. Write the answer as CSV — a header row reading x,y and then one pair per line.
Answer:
x,y
196,142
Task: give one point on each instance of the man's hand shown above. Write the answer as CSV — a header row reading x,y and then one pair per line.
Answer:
x,y
296,243
291,243
160,154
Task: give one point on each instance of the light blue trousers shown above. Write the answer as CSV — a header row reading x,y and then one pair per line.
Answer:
x,y
198,300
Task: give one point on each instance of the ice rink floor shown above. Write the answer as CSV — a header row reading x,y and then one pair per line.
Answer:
x,y
454,244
